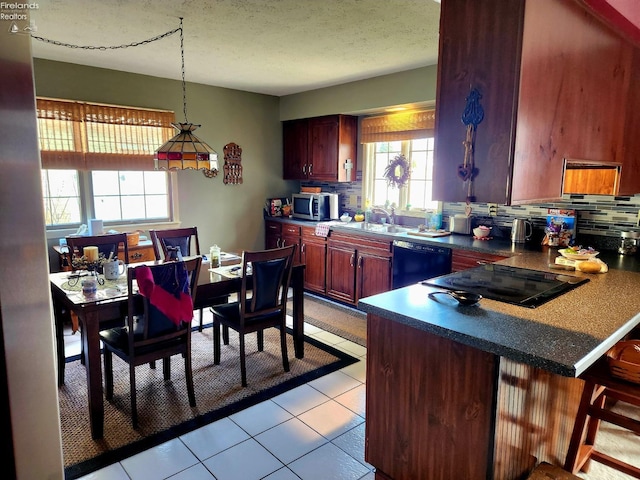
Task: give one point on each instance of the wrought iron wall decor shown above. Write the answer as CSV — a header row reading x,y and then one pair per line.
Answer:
x,y
232,166
473,114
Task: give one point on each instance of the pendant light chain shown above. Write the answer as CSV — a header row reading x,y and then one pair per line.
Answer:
x,y
184,85
185,150
114,47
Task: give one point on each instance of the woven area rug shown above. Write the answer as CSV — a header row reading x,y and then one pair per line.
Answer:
x,y
333,317
163,408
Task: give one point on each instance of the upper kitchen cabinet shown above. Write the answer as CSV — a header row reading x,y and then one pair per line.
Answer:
x,y
556,83
320,148
479,48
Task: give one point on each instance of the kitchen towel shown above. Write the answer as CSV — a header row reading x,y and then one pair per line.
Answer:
x,y
322,229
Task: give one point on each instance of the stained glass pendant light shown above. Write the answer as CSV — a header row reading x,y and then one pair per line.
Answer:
x,y
185,150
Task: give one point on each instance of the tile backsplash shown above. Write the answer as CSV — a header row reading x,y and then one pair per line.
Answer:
x,y
601,218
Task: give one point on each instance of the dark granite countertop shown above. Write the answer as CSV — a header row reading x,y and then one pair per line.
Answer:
x,y
564,336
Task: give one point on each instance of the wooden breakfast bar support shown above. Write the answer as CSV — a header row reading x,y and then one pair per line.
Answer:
x,y
486,391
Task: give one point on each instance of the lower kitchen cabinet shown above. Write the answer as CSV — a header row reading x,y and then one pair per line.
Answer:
x,y
465,259
278,235
357,267
313,252
272,234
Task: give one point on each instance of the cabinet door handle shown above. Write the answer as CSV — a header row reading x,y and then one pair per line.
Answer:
x,y
359,262
304,169
278,243
135,256
303,248
352,259
310,165
482,262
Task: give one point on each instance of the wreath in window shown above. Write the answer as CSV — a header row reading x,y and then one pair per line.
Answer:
x,y
397,172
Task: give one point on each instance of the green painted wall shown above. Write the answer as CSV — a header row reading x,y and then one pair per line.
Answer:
x,y
412,86
231,216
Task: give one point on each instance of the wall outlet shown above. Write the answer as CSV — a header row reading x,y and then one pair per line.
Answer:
x,y
353,200
492,209
638,221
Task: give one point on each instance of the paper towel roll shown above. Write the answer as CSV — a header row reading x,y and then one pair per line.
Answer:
x,y
95,227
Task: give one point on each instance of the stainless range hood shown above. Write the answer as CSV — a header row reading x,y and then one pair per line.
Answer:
x,y
590,177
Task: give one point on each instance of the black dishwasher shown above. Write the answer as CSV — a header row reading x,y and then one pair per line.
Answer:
x,y
414,262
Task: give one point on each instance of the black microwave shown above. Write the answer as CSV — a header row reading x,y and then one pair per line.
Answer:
x,y
311,206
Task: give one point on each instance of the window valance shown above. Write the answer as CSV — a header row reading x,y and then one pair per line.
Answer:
x,y
91,136
397,126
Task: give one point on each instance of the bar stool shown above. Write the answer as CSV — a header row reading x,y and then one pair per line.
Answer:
x,y
601,386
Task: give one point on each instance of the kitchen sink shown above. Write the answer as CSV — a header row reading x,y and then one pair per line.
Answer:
x,y
379,227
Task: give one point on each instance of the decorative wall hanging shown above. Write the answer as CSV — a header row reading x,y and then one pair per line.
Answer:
x,y
398,172
473,114
232,166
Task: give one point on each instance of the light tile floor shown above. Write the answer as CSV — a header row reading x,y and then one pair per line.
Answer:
x,y
315,431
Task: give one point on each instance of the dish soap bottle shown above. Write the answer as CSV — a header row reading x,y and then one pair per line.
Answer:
x,y
367,212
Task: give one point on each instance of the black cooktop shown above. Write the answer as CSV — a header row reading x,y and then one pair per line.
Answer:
x,y
518,286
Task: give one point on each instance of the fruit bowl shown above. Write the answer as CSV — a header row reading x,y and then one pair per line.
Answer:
x,y
482,231
345,218
579,255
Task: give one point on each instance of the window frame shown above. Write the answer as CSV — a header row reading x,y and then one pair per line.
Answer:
x,y
368,181
122,125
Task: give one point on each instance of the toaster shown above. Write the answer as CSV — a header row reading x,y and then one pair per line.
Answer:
x,y
460,224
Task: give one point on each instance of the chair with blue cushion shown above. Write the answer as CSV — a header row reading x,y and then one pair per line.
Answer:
x,y
269,272
158,323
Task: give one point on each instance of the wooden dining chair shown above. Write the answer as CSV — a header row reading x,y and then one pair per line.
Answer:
x,y
158,330
270,271
107,245
164,241
185,238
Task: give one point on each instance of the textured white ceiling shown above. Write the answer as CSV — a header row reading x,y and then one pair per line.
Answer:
x,y
275,47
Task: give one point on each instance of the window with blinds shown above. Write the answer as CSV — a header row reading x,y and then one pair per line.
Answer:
x,y
91,136
109,148
386,136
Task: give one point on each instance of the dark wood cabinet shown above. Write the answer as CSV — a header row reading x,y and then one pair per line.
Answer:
x,y
341,271
312,250
320,148
465,259
313,253
295,135
434,398
357,267
561,87
279,234
272,234
373,273
471,35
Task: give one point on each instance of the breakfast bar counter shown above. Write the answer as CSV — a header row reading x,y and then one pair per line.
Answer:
x,y
485,391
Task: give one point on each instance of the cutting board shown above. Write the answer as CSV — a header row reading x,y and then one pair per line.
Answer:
x,y
429,234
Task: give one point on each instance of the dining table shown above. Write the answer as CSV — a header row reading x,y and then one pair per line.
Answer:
x,y
109,303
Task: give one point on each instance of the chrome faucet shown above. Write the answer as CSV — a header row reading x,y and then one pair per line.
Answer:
x,y
389,216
